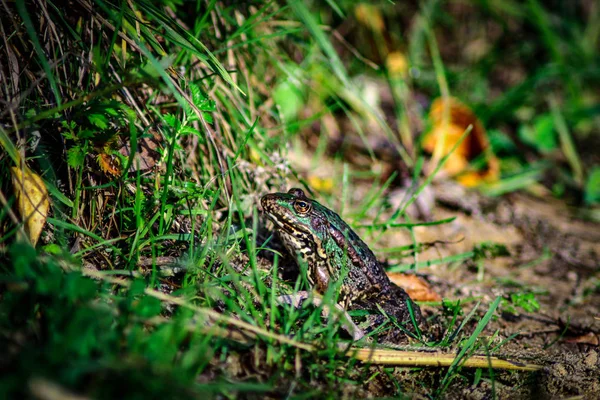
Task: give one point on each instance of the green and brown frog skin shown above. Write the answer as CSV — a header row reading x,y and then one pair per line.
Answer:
x,y
329,246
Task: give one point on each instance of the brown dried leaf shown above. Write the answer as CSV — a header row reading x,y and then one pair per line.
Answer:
x,y
416,287
32,201
588,338
148,151
13,65
108,164
474,146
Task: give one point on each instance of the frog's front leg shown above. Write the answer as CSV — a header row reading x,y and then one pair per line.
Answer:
x,y
296,300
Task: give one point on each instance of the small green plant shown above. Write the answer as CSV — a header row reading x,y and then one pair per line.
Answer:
x,y
518,302
540,134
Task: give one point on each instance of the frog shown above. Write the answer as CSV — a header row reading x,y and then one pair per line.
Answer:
x,y
332,251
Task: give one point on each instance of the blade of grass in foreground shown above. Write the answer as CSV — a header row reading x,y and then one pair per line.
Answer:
x,y
566,142
406,224
368,355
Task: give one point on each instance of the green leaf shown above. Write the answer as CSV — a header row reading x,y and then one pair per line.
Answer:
x,y
207,105
75,157
23,256
53,248
98,120
112,111
501,142
85,134
188,130
172,121
197,95
526,301
592,187
137,287
541,135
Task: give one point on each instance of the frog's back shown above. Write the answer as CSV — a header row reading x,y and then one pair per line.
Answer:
x,y
365,273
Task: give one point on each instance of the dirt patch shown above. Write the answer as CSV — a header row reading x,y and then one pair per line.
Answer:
x,y
553,255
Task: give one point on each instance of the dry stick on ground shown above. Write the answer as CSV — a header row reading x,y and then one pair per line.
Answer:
x,y
368,355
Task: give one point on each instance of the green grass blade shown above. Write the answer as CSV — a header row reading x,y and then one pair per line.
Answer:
x,y
566,142
469,345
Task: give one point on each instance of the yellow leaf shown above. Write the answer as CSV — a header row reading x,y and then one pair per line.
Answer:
x,y
321,184
32,201
397,64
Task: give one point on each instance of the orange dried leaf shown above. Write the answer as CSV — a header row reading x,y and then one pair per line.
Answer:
x,y
416,287
476,145
32,201
108,165
457,162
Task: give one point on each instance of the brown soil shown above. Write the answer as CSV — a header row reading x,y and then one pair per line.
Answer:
x,y
552,254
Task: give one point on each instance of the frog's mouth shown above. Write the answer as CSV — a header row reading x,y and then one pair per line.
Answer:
x,y
277,221
281,223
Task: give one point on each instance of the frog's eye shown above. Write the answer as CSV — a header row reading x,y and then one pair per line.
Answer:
x,y
301,206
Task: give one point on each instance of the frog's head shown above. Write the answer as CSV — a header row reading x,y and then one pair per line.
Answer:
x,y
289,211
300,221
